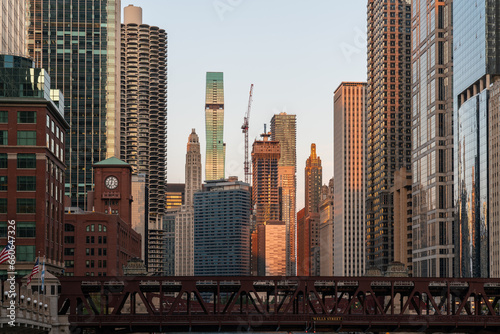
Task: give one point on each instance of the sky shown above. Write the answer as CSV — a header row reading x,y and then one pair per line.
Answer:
x,y
296,53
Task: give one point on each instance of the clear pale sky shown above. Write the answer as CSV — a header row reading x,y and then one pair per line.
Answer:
x,y
296,53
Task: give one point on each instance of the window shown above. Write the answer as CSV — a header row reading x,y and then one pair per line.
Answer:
x,y
3,182
69,239
24,117
3,137
26,183
26,229
25,253
26,160
69,264
69,251
26,205
4,116
26,138
3,205
3,160
104,252
69,228
3,229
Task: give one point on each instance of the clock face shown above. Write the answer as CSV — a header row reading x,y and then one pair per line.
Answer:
x,y
111,182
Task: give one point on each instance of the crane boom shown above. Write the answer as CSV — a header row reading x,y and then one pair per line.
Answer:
x,y
244,129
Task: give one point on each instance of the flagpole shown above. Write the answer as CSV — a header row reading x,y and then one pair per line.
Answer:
x,y
39,277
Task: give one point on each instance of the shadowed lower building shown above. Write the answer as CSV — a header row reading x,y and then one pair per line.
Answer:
x,y
222,229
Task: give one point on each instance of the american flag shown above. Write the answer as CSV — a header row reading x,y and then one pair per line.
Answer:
x,y
5,255
36,270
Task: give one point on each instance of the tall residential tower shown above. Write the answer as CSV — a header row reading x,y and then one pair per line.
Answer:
x,y
78,43
283,129
143,119
432,146
215,158
350,186
388,119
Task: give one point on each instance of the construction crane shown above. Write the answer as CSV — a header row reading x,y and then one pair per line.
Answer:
x,y
244,129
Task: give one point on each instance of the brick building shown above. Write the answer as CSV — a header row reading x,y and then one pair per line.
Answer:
x,y
101,241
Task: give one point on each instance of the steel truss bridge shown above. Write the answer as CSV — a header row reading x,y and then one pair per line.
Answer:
x,y
339,304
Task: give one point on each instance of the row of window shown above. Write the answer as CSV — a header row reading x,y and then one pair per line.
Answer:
x,y
23,137
23,205
24,183
24,160
23,229
88,251
23,117
100,228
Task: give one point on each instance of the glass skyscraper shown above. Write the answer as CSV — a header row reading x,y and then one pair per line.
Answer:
x,y
78,42
476,69
214,127
222,229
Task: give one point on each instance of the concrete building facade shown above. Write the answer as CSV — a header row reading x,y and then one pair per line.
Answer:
x,y
402,197
388,119
349,118
143,120
432,145
12,27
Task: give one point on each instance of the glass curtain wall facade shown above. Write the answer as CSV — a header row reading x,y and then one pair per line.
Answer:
x,y
222,229
476,71
432,145
78,43
283,129
12,27
349,119
214,126
388,119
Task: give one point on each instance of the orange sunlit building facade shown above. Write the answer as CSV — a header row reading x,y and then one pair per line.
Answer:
x,y
349,117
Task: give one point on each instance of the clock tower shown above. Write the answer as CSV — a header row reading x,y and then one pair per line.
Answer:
x,y
113,188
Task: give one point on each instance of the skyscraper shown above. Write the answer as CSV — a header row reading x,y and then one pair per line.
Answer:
x,y
283,129
144,105
349,118
313,181
388,119
476,77
184,220
12,27
308,225
265,195
432,108
78,43
214,126
222,229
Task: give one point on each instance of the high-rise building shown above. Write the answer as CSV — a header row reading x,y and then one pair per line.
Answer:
x,y
402,198
139,212
432,145
12,27
349,118
169,228
215,159
283,129
144,116
184,220
313,181
308,225
388,119
265,194
326,229
272,248
32,141
476,69
222,229
174,196
78,43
